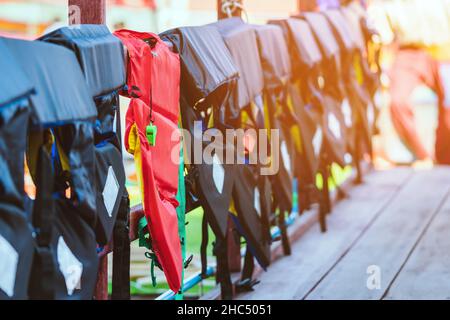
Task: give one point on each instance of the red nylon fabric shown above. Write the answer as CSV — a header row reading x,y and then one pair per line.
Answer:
x,y
154,78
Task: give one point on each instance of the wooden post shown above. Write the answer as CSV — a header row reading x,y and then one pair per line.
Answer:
x,y
87,11
223,15
306,5
101,287
92,12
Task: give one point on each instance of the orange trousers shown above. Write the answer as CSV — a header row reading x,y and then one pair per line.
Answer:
x,y
411,68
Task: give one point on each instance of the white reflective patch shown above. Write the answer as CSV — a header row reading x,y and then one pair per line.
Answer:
x,y
9,258
110,191
321,82
348,158
257,202
70,267
115,122
334,126
286,157
371,114
317,142
347,111
218,174
259,102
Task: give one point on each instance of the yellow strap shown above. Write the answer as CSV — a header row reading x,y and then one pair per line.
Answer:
x,y
232,209
134,148
63,158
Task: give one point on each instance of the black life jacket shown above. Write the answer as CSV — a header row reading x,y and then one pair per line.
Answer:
x,y
208,80
101,57
248,193
333,74
16,241
320,120
359,95
369,80
328,86
276,66
60,155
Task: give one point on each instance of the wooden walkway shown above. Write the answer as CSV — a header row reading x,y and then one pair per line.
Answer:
x,y
389,240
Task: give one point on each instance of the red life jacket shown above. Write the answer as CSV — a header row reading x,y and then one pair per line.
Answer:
x,y
154,86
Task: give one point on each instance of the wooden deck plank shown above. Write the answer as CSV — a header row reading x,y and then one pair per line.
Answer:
x,y
315,254
389,240
426,274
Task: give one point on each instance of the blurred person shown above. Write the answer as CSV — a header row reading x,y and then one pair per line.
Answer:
x,y
419,32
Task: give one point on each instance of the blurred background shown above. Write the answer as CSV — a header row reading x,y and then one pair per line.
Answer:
x,y
425,24
30,18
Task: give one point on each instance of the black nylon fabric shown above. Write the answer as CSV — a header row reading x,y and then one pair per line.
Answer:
x,y
67,268
208,76
316,96
63,104
310,120
324,35
274,53
329,47
358,96
73,244
320,147
310,55
61,100
109,165
215,203
276,66
206,62
13,80
77,142
252,208
208,79
42,280
51,67
334,88
283,180
342,28
240,39
108,107
17,243
356,19
99,53
309,116
80,239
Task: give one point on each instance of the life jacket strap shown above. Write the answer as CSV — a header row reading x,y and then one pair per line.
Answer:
x,y
43,217
204,246
121,252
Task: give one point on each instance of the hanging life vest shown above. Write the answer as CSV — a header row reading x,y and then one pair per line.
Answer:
x,y
60,156
16,241
249,194
208,80
358,97
152,136
276,65
97,50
